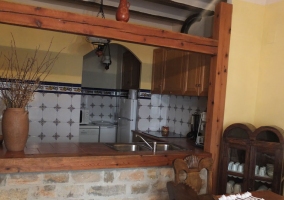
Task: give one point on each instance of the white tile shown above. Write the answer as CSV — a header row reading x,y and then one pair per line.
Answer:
x,y
193,102
75,129
173,100
63,129
184,129
76,101
155,99
49,114
178,114
50,100
96,118
179,101
35,128
37,100
49,129
97,100
106,101
155,112
106,110
164,112
144,112
165,100
64,115
172,113
144,102
97,110
171,125
177,127
154,125
185,116
64,100
75,115
143,124
163,123
35,113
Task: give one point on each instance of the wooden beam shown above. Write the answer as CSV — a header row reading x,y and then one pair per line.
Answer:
x,y
217,86
36,17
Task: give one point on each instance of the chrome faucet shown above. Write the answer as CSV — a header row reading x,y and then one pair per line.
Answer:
x,y
154,143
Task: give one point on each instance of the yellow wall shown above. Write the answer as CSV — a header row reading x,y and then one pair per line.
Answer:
x,y
244,60
256,66
68,68
270,97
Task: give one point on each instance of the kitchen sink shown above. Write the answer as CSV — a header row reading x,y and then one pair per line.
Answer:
x,y
142,147
168,147
128,147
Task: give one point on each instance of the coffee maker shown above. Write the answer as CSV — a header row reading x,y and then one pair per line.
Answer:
x,y
194,124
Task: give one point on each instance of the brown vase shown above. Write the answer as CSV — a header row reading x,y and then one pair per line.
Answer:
x,y
122,13
15,128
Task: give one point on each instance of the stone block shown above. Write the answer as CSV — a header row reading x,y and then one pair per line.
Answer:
x,y
2,180
152,173
46,191
109,190
132,175
56,178
167,173
71,191
19,194
108,177
139,188
86,177
23,178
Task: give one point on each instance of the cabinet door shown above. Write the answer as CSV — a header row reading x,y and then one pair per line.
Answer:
x,y
191,73
197,71
204,73
130,71
173,72
157,70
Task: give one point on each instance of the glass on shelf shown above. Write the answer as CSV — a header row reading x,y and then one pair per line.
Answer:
x,y
264,167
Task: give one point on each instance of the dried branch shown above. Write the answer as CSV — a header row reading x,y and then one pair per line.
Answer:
x,y
20,81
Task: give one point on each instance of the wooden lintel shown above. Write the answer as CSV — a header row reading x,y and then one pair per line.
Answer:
x,y
36,17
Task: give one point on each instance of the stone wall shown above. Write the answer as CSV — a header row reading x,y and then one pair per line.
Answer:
x,y
111,184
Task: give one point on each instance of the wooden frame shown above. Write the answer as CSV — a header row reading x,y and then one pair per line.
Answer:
x,y
218,47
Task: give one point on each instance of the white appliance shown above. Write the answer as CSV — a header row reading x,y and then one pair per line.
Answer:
x,y
126,119
89,133
84,116
108,134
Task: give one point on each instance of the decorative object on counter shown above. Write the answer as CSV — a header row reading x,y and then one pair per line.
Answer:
x,y
165,130
122,13
22,79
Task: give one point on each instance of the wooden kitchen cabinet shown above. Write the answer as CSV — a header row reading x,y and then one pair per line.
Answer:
x,y
180,73
254,149
197,73
130,71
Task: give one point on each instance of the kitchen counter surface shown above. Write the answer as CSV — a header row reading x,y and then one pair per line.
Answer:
x,y
42,157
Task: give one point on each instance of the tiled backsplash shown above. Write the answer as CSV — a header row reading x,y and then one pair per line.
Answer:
x,y
171,110
54,112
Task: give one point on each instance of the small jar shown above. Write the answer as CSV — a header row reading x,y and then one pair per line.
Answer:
x,y
165,130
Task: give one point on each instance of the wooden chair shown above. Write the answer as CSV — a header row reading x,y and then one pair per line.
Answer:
x,y
190,184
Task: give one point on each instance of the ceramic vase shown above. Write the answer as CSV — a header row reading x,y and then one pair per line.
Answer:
x,y
15,128
122,13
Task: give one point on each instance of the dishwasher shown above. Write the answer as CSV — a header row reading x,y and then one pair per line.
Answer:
x,y
89,133
97,131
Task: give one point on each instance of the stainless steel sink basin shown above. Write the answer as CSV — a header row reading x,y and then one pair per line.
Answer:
x,y
167,147
143,147
127,146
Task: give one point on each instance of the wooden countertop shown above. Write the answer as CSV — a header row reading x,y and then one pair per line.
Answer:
x,y
42,157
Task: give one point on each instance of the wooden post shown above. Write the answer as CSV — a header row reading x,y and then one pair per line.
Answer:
x,y
217,85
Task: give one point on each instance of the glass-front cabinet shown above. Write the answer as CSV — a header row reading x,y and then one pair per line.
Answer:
x,y
249,159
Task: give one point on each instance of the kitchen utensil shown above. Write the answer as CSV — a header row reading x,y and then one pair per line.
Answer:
x,y
237,188
229,188
256,171
230,165
241,168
